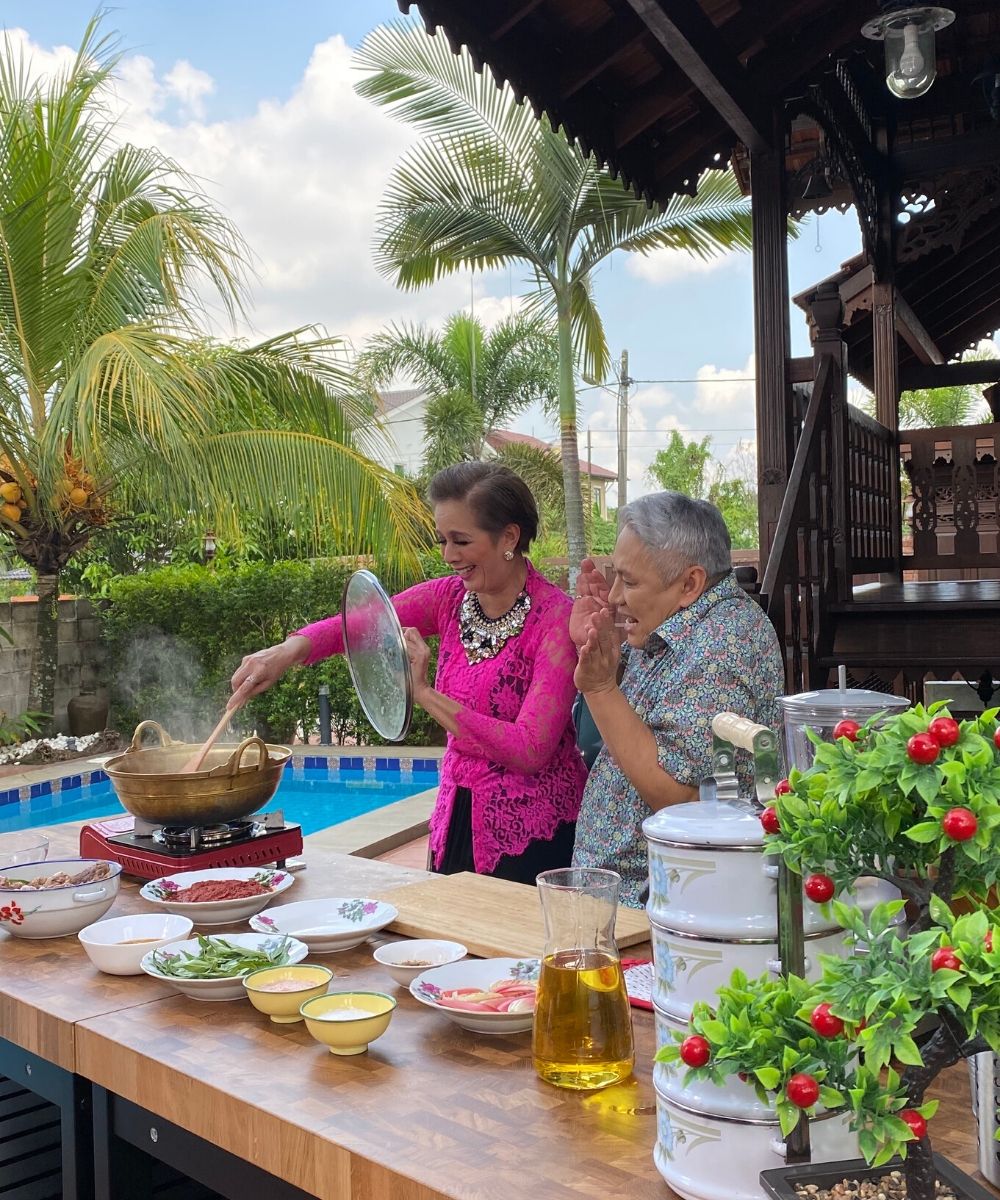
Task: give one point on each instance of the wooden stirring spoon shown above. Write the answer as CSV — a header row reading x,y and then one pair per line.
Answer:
x,y
194,762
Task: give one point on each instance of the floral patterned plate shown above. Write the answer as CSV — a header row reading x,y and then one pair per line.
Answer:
x,y
330,925
479,973
161,892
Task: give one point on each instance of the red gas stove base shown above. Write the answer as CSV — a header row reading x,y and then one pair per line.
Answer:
x,y
145,858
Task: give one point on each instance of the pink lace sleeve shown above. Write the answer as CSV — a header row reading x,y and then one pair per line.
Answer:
x,y
419,606
527,743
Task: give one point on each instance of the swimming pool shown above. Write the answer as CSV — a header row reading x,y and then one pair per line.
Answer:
x,y
315,792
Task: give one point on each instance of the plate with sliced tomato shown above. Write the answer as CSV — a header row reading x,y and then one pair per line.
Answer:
x,y
483,995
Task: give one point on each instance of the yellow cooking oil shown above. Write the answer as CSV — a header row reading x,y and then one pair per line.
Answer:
x,y
583,1024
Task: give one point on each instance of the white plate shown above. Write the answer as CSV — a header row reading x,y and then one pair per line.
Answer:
x,y
230,988
216,912
477,973
327,926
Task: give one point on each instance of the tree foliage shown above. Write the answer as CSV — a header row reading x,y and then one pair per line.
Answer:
x,y
880,804
476,380
688,467
111,398
490,185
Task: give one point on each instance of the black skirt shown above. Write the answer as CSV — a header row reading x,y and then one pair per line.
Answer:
x,y
542,855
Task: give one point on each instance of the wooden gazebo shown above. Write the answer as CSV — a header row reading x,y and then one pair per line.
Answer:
x,y
791,94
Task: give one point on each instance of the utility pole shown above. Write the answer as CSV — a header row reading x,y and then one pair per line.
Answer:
x,y
623,386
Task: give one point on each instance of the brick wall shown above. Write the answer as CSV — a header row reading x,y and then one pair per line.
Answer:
x,y
81,653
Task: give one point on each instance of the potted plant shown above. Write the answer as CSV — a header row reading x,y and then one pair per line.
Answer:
x,y
916,801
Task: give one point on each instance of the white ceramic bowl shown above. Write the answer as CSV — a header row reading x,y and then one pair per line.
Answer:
x,y
24,846
420,954
118,945
228,988
56,912
217,912
327,926
478,973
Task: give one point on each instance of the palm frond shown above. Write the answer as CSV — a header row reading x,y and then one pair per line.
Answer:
x,y
421,82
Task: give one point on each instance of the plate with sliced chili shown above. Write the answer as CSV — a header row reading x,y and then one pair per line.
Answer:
x,y
217,895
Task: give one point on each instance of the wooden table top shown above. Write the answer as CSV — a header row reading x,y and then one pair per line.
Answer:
x,y
430,1112
48,986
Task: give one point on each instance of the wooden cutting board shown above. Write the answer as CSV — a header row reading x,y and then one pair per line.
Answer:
x,y
492,918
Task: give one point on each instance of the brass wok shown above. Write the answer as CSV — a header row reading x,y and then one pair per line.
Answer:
x,y
234,782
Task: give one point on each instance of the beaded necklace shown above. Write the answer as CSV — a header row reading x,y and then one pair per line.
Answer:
x,y
483,637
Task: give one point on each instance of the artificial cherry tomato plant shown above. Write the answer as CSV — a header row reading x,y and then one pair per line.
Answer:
x,y
915,800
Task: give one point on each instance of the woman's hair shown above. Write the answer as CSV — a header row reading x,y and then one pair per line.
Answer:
x,y
680,532
497,496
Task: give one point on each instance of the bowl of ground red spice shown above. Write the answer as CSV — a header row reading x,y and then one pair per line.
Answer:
x,y
218,895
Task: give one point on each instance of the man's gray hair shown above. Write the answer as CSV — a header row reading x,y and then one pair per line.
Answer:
x,y
680,532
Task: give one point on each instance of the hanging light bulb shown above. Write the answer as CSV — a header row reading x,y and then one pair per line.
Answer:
x,y
910,52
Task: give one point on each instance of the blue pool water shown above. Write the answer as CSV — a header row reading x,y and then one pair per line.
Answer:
x,y
315,798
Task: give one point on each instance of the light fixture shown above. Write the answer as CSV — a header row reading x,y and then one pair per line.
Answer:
x,y
910,53
208,546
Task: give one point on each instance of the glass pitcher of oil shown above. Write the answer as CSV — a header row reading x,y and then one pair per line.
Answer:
x,y
583,1024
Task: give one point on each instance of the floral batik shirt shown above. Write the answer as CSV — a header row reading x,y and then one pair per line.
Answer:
x,y
720,654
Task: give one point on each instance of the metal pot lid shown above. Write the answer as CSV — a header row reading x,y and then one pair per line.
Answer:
x,y
831,705
705,824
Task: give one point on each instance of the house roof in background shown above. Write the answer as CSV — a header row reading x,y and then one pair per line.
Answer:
x,y
506,437
388,401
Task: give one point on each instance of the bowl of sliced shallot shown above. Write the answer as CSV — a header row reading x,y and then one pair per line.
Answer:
x,y
484,995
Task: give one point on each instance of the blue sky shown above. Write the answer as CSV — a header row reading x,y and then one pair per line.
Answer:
x,y
255,98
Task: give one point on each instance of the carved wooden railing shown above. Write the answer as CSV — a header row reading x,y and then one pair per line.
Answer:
x,y
954,475
837,520
873,495
801,566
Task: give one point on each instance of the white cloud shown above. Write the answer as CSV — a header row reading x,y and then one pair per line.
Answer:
x,y
301,180
729,392
190,87
667,266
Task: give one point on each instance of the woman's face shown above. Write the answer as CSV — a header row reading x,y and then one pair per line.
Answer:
x,y
642,598
475,555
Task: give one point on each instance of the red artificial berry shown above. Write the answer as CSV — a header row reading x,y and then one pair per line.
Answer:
x,y
782,787
743,1077
959,824
819,888
922,749
825,1023
802,1090
847,729
944,730
695,1051
945,959
996,739
769,819
916,1122
988,940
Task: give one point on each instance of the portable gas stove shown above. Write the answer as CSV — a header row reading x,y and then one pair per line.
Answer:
x,y
150,851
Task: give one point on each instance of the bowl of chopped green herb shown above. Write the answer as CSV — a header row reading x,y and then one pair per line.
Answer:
x,y
213,968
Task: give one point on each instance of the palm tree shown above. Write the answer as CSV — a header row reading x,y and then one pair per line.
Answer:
x,y
108,389
491,185
475,380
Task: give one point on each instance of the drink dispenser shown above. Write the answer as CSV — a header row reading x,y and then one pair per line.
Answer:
x,y
822,711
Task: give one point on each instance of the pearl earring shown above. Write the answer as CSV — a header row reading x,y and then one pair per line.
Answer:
x,y
508,555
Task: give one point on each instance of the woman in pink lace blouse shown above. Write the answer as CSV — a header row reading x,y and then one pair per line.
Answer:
x,y
512,776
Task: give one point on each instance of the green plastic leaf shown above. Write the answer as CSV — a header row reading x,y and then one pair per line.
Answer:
x,y
768,1077
926,831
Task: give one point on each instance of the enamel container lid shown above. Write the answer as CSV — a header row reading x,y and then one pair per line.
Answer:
x,y
705,824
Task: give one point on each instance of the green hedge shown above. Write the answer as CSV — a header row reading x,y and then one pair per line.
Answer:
x,y
176,635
